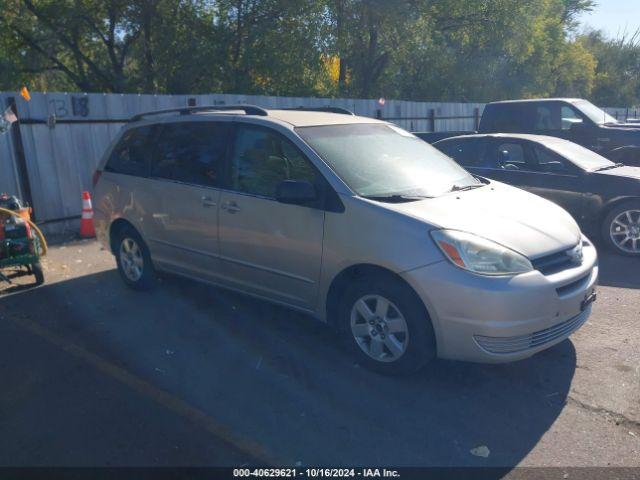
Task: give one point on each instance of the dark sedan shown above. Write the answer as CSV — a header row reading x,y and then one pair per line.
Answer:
x,y
604,197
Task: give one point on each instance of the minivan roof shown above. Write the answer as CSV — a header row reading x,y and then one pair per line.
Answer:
x,y
296,117
301,118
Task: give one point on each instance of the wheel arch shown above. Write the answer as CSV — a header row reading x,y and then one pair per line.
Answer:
x,y
115,228
606,213
355,272
616,202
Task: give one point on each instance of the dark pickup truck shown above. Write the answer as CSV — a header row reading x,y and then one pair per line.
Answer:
x,y
576,120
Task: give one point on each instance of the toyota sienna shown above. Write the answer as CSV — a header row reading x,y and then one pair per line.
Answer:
x,y
352,220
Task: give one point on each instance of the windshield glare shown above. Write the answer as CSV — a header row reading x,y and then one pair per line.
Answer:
x,y
377,160
595,114
579,155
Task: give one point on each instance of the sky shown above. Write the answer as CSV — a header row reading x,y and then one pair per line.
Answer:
x,y
614,17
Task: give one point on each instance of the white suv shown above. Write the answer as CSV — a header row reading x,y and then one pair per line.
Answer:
x,y
352,220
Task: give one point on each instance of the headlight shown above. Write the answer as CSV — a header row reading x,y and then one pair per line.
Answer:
x,y
480,255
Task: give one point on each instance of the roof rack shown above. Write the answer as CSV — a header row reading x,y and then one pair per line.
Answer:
x,y
248,110
320,109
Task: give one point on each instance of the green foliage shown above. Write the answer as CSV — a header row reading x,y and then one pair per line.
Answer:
x,y
617,78
448,50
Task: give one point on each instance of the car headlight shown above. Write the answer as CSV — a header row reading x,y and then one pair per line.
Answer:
x,y
479,255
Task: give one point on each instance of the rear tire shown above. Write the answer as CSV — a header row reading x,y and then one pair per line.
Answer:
x,y
386,326
133,260
621,229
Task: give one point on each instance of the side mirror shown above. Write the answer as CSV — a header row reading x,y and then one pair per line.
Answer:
x,y
296,192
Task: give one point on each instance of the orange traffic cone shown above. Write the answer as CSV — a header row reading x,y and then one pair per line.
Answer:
x,y
86,222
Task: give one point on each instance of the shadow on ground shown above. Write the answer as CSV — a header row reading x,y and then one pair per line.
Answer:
x,y
280,379
618,270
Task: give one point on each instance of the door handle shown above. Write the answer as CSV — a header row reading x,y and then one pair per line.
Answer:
x,y
231,207
207,202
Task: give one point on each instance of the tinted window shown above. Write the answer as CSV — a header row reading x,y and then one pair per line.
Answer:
x,y
467,153
511,156
569,117
192,152
263,158
547,117
132,154
549,162
505,118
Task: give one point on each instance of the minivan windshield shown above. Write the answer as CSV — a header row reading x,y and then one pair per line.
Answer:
x,y
377,160
595,114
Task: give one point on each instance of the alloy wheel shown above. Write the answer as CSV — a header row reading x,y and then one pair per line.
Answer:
x,y
379,328
625,231
131,259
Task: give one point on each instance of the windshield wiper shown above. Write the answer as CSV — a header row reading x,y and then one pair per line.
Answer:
x,y
462,188
609,167
395,198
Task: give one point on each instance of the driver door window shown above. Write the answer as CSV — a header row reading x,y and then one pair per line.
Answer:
x,y
569,117
511,156
262,159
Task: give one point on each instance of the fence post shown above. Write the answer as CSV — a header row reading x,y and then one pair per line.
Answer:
x,y
432,120
476,118
18,151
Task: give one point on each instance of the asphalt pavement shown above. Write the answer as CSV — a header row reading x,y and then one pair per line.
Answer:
x,y
95,374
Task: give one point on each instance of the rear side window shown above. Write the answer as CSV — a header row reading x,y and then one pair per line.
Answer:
x,y
133,153
507,118
467,153
547,117
192,152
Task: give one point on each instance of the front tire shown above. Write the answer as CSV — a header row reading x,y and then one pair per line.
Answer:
x,y
385,325
621,229
134,261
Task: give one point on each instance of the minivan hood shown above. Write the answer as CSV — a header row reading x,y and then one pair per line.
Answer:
x,y
512,217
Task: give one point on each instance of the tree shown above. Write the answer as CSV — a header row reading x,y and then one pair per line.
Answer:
x,y
447,50
617,80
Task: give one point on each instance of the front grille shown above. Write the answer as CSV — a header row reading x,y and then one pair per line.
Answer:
x,y
556,262
526,342
573,286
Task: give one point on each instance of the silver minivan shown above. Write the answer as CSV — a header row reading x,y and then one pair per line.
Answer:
x,y
352,220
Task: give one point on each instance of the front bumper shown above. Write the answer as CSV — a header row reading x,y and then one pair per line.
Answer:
x,y
500,319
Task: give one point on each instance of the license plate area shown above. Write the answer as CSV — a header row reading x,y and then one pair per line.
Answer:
x,y
588,300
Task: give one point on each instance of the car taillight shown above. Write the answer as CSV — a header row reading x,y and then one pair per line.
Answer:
x,y
96,177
